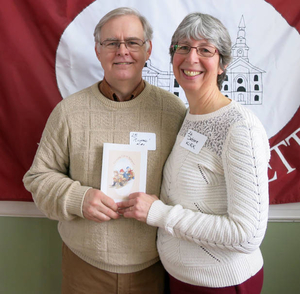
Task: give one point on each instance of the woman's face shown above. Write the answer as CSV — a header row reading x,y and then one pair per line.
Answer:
x,y
193,72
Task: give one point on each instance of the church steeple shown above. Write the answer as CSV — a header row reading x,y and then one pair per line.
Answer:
x,y
240,48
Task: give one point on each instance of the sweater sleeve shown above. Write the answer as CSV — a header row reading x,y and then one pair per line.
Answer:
x,y
53,191
245,159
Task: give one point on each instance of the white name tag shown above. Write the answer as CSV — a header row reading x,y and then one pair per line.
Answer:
x,y
143,139
193,141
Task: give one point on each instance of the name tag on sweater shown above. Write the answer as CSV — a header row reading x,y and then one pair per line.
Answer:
x,y
143,139
193,141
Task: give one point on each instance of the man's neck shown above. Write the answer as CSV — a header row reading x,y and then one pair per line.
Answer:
x,y
123,92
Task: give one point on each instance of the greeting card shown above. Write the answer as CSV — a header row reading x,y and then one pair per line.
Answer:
x,y
124,170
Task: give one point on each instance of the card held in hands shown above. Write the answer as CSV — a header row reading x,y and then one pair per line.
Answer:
x,y
124,170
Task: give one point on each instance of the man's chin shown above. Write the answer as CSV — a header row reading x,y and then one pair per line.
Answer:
x,y
122,78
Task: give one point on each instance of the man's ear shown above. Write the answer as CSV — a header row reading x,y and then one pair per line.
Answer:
x,y
97,45
149,49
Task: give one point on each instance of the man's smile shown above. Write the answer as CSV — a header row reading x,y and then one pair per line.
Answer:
x,y
123,63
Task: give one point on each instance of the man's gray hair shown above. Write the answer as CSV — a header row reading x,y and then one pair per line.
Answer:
x,y
148,31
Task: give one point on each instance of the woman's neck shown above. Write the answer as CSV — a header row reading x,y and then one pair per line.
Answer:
x,y
207,103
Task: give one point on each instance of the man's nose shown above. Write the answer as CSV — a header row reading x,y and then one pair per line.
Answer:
x,y
122,49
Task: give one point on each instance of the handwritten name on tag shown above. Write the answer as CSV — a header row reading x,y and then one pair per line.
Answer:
x,y
143,139
193,141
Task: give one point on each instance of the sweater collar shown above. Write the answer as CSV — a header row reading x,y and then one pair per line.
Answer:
x,y
107,91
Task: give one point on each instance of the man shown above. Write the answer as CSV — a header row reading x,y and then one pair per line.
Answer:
x,y
102,251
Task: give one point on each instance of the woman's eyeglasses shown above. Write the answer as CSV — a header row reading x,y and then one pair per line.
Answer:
x,y
203,50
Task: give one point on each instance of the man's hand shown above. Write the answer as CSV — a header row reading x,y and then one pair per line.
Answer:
x,y
99,207
137,206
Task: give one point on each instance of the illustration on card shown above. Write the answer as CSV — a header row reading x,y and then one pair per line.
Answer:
x,y
122,178
123,170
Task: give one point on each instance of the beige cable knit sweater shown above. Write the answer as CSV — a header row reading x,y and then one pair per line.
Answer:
x,y
68,162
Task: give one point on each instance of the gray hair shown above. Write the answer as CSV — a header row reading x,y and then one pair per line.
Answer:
x,y
204,26
121,11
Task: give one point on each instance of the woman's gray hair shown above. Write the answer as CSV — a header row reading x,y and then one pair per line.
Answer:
x,y
121,11
199,26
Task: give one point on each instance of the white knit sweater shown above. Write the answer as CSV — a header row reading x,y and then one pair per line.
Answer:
x,y
216,202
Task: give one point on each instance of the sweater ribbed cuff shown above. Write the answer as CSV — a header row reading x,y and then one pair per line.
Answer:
x,y
157,215
75,201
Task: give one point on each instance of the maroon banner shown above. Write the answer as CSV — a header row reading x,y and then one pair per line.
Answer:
x,y
284,171
30,34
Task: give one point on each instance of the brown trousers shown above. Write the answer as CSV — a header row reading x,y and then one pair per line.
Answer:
x,y
79,277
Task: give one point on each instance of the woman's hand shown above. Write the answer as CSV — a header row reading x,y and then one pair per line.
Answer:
x,y
137,206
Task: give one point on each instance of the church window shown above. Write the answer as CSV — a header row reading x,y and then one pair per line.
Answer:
x,y
256,87
241,89
176,85
240,80
256,98
256,78
226,88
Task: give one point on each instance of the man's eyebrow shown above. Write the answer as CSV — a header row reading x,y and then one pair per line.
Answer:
x,y
133,38
126,39
111,39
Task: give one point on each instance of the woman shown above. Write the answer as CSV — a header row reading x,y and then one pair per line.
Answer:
x,y
213,211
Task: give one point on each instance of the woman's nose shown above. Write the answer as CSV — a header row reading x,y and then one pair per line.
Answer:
x,y
193,55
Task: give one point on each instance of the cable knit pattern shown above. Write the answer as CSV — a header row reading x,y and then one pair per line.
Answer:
x,y
216,202
68,163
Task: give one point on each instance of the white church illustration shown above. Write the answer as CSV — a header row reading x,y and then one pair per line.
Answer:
x,y
243,82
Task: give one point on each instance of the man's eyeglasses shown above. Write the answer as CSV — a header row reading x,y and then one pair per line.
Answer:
x,y
203,50
132,45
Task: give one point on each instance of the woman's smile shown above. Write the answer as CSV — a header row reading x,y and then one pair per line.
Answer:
x,y
191,73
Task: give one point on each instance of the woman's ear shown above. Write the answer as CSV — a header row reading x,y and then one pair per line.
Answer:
x,y
222,70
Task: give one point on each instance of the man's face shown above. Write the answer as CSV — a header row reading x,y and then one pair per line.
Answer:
x,y
122,65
